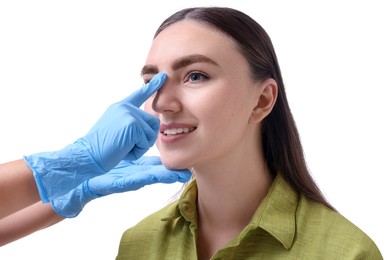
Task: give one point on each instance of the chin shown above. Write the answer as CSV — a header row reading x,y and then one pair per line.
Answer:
x,y
174,163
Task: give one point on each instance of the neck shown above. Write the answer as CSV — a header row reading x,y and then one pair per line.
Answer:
x,y
229,193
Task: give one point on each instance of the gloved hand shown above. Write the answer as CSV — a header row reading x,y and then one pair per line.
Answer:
x,y
126,176
123,132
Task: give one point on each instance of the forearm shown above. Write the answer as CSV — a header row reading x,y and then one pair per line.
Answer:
x,y
26,222
17,187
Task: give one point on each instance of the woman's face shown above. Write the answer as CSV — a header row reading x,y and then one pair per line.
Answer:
x,y
207,100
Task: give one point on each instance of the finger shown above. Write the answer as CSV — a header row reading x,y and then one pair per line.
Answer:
x,y
148,126
182,176
122,164
141,136
156,174
139,148
141,95
151,121
143,123
160,174
148,160
130,179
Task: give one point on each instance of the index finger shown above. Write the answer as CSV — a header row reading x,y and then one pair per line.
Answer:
x,y
138,97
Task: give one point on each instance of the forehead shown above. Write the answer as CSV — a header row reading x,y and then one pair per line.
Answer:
x,y
189,37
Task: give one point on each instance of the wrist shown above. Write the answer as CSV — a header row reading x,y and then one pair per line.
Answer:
x,y
71,204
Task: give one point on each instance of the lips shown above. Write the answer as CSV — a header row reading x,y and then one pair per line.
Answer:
x,y
176,129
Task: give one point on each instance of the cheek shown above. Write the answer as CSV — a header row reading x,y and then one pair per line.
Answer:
x,y
228,115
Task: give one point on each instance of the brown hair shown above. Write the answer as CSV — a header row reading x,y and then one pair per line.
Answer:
x,y
281,143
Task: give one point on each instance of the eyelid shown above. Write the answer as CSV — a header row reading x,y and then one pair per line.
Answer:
x,y
148,77
146,81
205,75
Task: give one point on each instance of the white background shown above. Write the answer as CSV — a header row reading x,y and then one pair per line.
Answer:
x,y
62,63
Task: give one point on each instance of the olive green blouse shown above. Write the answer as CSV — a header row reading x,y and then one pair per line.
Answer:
x,y
286,225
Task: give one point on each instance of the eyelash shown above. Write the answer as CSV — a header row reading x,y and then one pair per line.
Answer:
x,y
187,78
198,73
147,80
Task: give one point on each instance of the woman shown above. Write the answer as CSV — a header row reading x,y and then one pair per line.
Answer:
x,y
224,115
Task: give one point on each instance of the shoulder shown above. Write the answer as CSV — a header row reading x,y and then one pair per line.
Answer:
x,y
164,234
139,241
332,232
166,221
148,225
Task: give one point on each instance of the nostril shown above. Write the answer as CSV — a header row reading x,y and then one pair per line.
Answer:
x,y
166,100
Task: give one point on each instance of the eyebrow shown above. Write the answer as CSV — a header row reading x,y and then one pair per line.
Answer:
x,y
179,63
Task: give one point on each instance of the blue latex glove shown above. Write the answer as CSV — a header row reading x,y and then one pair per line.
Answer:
x,y
124,132
126,176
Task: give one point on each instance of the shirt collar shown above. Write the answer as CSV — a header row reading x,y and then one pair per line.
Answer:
x,y
276,213
186,206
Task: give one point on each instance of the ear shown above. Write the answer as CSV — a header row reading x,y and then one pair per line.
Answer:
x,y
267,92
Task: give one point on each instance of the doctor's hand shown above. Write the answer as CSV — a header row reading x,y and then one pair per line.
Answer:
x,y
124,132
126,176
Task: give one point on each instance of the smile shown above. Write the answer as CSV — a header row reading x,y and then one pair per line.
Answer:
x,y
176,131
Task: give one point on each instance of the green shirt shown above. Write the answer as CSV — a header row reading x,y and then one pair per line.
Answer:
x,y
286,225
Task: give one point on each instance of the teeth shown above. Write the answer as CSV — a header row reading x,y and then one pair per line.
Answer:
x,y
176,131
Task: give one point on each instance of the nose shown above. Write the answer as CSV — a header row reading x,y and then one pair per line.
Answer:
x,y
167,99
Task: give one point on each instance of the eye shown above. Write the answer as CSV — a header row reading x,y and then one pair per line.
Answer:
x,y
147,78
196,76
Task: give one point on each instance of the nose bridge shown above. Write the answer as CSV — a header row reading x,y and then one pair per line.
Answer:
x,y
166,99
